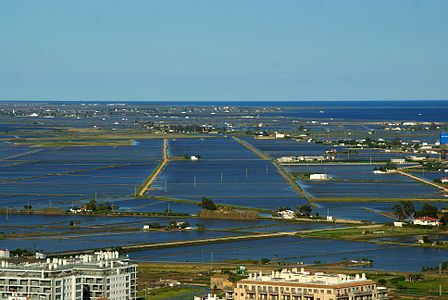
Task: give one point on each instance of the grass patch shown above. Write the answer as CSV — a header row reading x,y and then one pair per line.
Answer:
x,y
364,233
177,292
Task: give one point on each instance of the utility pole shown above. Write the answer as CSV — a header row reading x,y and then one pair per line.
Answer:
x,y
194,181
221,177
246,173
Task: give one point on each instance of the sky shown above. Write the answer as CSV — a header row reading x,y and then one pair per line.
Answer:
x,y
223,50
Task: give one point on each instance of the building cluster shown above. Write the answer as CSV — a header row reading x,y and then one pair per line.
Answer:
x,y
427,221
298,284
305,158
102,275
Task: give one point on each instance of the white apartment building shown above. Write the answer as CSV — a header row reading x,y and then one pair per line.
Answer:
x,y
300,285
89,276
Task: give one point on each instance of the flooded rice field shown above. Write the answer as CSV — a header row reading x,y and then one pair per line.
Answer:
x,y
359,181
209,148
297,250
253,183
58,177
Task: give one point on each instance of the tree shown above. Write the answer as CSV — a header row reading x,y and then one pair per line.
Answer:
x,y
388,166
208,204
184,225
281,208
91,205
404,210
428,210
398,212
408,208
304,210
265,261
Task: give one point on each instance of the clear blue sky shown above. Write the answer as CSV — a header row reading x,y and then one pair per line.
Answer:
x,y
223,50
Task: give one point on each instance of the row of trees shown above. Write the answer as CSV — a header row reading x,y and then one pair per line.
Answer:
x,y
208,204
103,206
405,210
388,166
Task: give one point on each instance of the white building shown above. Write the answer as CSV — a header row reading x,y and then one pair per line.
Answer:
x,y
300,285
89,276
279,135
398,160
398,224
4,253
286,214
194,157
444,179
304,158
416,158
318,176
426,221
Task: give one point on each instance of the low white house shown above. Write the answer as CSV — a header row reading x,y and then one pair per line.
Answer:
x,y
286,214
398,224
318,176
398,160
194,157
4,253
279,135
444,180
426,221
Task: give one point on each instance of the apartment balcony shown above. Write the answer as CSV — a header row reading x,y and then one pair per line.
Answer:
x,y
363,293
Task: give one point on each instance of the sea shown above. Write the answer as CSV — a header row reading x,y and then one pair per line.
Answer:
x,y
381,110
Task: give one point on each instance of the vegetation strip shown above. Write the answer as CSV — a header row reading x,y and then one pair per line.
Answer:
x,y
422,180
150,180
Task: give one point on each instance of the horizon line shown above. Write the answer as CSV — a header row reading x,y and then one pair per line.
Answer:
x,y
216,100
